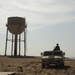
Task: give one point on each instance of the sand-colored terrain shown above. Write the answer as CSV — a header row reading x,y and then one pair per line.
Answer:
x,y
32,66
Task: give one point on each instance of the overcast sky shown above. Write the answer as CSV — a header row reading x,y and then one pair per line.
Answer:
x,y
49,22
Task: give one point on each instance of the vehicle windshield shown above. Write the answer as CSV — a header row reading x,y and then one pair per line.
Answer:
x,y
47,53
55,53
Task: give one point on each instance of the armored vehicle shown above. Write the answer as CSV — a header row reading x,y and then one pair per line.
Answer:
x,y
52,58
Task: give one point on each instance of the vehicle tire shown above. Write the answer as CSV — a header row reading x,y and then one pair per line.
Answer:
x,y
48,65
63,64
43,65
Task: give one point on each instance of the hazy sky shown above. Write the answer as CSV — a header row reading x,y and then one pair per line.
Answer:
x,y
49,22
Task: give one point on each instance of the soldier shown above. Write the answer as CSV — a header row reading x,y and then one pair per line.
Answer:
x,y
57,47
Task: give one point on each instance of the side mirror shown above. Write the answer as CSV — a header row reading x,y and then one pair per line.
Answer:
x,y
63,53
41,53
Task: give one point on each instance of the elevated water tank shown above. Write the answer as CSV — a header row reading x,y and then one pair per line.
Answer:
x,y
16,25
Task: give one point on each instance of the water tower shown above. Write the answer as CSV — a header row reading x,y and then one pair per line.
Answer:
x,y
16,26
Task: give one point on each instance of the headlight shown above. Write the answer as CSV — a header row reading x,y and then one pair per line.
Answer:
x,y
57,57
45,57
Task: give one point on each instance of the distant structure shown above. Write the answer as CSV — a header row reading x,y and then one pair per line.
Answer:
x,y
16,26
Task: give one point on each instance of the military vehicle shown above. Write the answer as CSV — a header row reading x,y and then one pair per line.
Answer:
x,y
52,58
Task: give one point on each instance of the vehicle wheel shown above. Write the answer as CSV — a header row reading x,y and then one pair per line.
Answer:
x,y
43,65
62,64
48,65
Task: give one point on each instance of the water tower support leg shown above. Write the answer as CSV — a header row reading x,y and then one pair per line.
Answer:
x,y
15,46
19,44
12,46
24,43
6,42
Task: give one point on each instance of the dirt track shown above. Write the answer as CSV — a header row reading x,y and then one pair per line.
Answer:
x,y
32,66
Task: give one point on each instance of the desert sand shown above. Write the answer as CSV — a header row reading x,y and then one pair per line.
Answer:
x,y
32,66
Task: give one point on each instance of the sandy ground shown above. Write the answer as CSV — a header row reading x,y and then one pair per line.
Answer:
x,y
32,66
